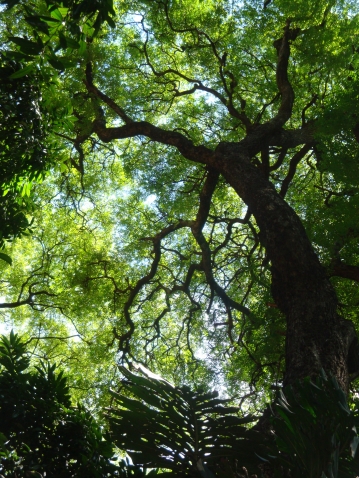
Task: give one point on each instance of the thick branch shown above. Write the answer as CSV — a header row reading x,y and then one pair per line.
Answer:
x,y
262,134
283,83
339,269
199,154
30,300
18,303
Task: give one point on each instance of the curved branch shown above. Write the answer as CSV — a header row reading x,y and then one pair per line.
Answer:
x,y
199,154
91,88
18,303
30,300
284,86
271,132
293,167
282,154
197,226
125,337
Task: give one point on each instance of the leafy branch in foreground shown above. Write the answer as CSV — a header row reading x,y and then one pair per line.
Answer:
x,y
189,433
41,433
313,431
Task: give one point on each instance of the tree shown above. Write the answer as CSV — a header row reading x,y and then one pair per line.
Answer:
x,y
229,135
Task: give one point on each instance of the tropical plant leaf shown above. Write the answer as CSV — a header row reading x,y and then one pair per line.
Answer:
x,y
176,428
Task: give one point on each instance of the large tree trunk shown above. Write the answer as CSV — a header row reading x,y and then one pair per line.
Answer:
x,y
317,337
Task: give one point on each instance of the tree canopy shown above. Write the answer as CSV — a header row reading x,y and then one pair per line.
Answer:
x,y
184,178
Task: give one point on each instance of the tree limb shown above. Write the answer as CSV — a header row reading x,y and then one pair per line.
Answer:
x,y
339,269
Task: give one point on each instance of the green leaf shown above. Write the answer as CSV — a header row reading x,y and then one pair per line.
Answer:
x,y
63,11
51,21
18,55
286,419
57,15
37,22
27,46
24,71
56,63
111,22
72,43
67,42
6,258
354,445
62,40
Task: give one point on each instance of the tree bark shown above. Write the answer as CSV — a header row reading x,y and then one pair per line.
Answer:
x,y
317,337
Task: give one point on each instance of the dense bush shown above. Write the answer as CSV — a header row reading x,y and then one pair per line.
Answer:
x,y
41,431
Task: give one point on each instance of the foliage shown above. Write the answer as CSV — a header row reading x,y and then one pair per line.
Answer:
x,y
23,156
195,433
134,257
26,119
76,15
316,431
44,433
190,433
